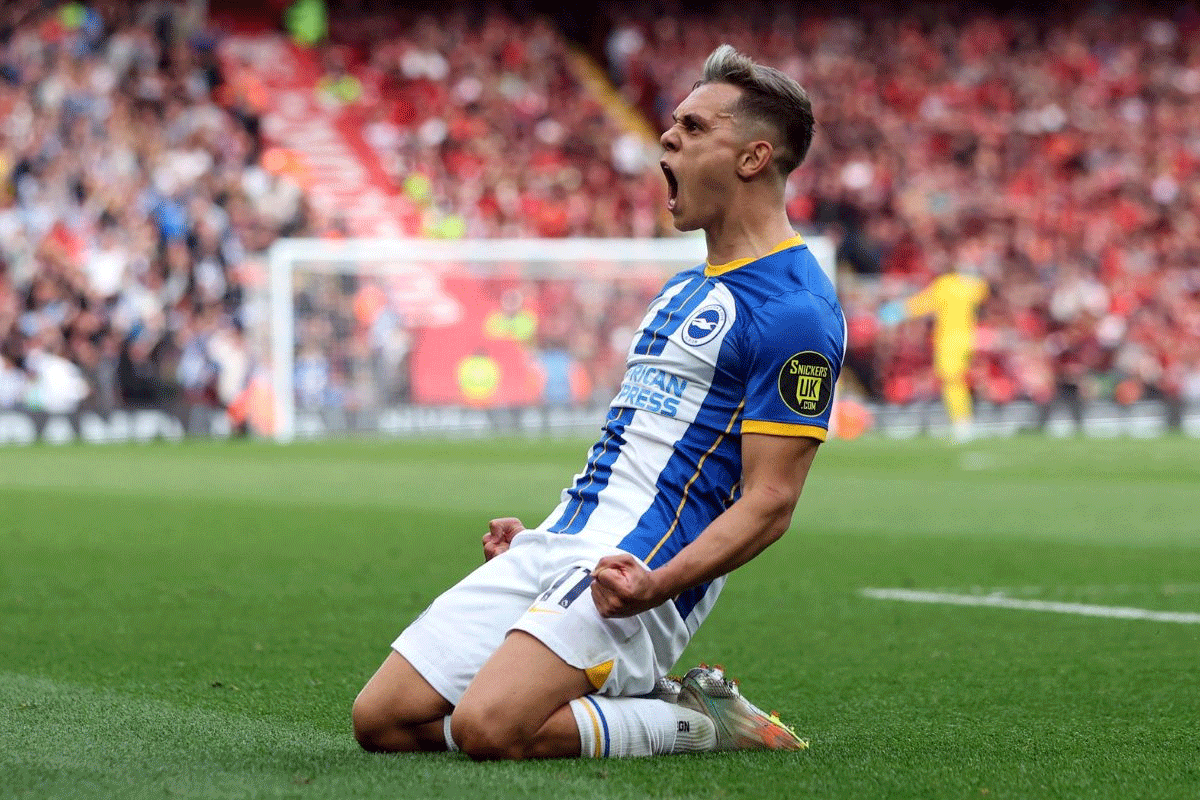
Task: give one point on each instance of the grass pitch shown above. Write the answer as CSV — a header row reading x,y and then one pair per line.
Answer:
x,y
194,620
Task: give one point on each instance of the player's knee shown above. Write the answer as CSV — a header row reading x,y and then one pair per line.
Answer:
x,y
372,729
485,737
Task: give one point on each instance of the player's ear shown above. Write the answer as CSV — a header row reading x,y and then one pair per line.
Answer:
x,y
754,158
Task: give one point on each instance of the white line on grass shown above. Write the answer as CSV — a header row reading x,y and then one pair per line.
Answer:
x,y
998,601
1164,589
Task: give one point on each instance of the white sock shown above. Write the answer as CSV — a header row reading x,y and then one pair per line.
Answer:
x,y
619,727
450,745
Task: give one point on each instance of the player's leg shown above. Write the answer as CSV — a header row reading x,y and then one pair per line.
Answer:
x,y
517,705
527,702
406,703
950,364
519,697
512,711
535,697
957,397
398,711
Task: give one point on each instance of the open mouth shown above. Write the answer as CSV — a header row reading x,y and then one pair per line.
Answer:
x,y
672,185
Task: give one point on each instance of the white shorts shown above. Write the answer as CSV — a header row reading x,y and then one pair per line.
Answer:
x,y
541,585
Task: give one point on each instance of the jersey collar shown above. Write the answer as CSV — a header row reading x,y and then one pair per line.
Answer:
x,y
712,270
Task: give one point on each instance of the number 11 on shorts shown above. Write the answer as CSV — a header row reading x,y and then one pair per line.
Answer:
x,y
566,589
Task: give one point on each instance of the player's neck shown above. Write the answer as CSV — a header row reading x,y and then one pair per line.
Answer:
x,y
746,235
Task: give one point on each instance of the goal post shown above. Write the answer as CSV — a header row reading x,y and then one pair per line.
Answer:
x,y
419,335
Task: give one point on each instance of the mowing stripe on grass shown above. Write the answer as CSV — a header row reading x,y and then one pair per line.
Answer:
x,y
999,601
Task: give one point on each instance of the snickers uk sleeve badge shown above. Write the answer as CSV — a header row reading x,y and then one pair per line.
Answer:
x,y
806,383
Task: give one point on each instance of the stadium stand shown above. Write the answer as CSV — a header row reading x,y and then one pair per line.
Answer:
x,y
132,196
1058,157
141,188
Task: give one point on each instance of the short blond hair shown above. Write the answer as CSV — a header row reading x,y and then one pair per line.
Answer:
x,y
769,97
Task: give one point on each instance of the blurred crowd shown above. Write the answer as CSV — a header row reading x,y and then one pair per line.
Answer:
x,y
486,121
493,112
1058,157
136,202
130,198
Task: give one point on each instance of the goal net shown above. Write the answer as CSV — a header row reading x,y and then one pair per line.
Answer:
x,y
392,336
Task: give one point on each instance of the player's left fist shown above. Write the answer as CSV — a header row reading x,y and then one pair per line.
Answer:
x,y
622,587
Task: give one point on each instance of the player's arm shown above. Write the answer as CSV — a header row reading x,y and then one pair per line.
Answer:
x,y
921,304
773,472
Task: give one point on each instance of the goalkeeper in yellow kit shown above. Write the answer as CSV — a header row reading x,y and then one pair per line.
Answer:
x,y
952,299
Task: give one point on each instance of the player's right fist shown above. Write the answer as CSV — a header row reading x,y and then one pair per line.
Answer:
x,y
500,535
622,587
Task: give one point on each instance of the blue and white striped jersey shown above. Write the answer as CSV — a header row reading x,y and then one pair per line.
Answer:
x,y
751,346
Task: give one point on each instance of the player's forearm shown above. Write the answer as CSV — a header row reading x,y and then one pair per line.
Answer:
x,y
743,531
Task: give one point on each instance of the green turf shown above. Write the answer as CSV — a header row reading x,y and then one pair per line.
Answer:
x,y
193,620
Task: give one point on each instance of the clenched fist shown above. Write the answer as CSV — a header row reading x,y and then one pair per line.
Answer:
x,y
622,587
500,535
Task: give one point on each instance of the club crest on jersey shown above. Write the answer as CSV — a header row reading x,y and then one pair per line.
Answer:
x,y
806,383
704,325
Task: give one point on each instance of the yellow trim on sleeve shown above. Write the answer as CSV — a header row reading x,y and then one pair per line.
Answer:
x,y
784,429
712,270
598,674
